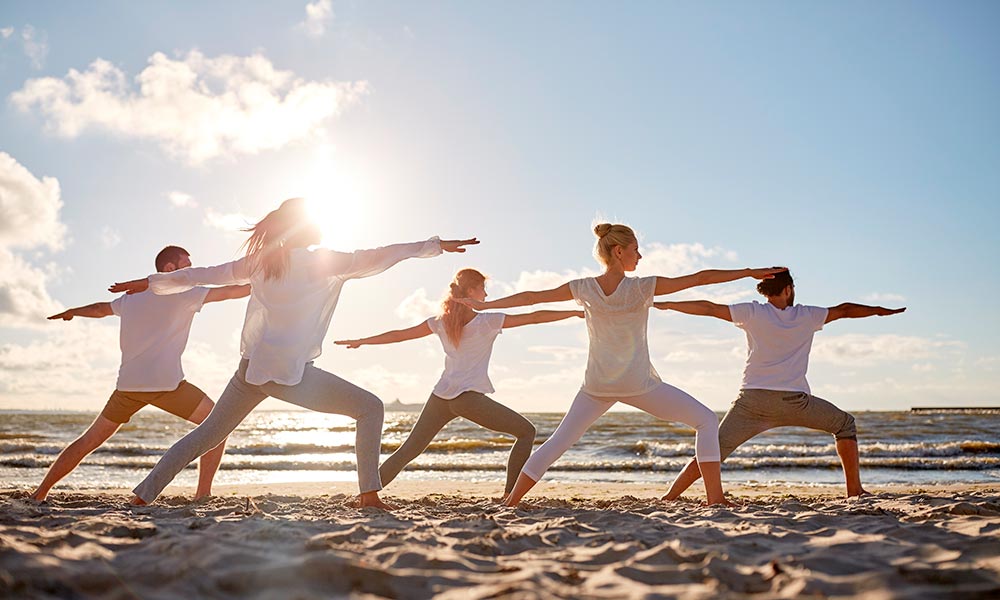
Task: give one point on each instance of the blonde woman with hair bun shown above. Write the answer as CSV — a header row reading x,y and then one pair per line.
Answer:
x,y
616,307
467,338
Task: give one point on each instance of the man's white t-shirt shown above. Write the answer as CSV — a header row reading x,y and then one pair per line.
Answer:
x,y
778,344
154,331
466,366
618,362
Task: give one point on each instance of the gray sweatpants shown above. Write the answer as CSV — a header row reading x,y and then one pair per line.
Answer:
x,y
318,390
476,407
755,411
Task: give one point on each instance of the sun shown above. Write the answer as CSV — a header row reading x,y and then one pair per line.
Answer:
x,y
335,202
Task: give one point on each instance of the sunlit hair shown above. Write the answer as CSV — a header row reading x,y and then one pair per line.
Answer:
x,y
273,237
609,236
775,285
170,254
455,315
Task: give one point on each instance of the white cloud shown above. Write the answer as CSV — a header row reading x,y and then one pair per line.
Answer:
x,y
884,298
680,259
29,208
180,199
36,45
196,108
860,349
29,218
110,237
318,15
6,32
75,363
384,383
229,222
417,307
24,299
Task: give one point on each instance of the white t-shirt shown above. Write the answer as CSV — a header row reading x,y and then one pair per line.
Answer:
x,y
778,344
618,362
287,318
465,367
152,336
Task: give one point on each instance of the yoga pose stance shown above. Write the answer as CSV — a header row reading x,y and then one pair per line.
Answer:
x,y
294,293
618,368
774,392
154,331
467,338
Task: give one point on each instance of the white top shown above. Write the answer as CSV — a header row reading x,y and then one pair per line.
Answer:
x,y
153,334
778,344
465,367
287,318
618,362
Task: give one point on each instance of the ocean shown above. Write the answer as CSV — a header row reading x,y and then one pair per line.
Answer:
x,y
299,446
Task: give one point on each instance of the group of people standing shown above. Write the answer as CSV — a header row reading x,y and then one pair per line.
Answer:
x,y
294,288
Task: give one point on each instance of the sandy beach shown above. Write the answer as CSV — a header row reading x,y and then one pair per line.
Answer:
x,y
453,541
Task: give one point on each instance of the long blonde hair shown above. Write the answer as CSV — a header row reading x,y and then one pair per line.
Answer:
x,y
609,236
273,237
454,315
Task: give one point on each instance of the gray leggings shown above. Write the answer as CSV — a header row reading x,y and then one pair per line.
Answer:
x,y
479,409
755,411
318,390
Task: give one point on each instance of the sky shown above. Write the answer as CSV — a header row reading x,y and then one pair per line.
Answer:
x,y
854,142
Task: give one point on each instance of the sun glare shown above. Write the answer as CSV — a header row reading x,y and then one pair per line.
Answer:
x,y
336,203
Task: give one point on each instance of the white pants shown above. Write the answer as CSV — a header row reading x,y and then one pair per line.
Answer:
x,y
663,402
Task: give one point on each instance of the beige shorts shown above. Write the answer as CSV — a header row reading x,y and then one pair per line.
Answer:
x,y
181,402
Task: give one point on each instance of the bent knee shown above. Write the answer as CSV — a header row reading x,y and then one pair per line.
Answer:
x,y
526,431
848,429
202,411
707,421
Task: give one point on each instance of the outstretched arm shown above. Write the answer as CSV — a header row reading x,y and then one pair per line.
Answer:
x,y
849,310
669,285
182,280
559,294
229,292
702,308
94,311
389,337
365,263
540,316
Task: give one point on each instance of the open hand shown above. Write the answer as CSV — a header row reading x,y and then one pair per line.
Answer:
x,y
473,304
767,273
66,315
456,245
131,287
879,311
352,344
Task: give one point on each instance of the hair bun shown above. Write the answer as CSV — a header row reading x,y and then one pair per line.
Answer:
x,y
602,229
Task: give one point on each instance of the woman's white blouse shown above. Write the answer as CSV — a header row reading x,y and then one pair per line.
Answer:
x,y
288,318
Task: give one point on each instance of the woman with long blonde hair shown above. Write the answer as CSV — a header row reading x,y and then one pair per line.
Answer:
x,y
294,291
467,338
618,366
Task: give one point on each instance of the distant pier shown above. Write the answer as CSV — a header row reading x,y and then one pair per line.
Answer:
x,y
955,409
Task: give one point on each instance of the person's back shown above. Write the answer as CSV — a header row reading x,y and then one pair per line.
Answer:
x,y
778,343
153,334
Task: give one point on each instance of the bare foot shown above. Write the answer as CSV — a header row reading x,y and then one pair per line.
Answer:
x,y
371,499
667,498
137,501
860,494
37,496
723,502
202,496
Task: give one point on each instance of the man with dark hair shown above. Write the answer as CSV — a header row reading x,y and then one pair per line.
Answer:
x,y
153,334
775,392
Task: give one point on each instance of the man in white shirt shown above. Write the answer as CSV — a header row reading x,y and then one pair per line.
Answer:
x,y
775,392
153,334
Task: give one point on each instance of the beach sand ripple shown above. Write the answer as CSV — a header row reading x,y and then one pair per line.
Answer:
x,y
271,546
